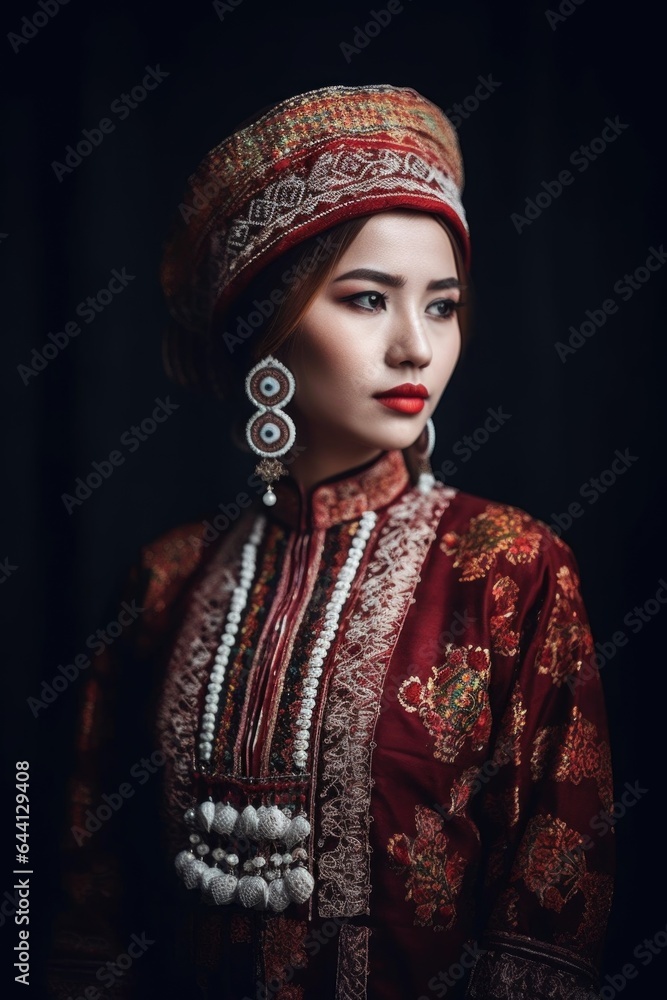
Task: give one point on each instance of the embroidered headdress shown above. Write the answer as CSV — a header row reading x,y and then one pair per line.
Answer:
x,y
308,163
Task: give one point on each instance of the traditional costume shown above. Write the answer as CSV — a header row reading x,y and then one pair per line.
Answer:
x,y
378,760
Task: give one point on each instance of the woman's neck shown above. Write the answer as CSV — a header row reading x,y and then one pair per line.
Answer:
x,y
313,465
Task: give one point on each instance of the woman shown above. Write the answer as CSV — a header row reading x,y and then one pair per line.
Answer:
x,y
377,762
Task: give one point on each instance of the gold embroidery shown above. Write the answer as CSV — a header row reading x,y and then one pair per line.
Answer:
x,y
462,790
508,742
352,972
453,704
568,641
571,752
598,890
499,528
548,861
503,637
353,701
568,582
434,875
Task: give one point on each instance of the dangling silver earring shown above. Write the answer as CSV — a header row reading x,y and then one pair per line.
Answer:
x,y
270,432
422,450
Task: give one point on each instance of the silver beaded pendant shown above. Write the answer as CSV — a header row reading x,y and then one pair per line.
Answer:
x,y
274,872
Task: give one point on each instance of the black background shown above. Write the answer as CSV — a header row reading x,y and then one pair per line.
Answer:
x,y
555,86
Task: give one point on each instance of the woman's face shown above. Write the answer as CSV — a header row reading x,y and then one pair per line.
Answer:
x,y
384,322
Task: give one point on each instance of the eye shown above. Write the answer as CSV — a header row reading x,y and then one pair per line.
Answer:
x,y
368,301
445,308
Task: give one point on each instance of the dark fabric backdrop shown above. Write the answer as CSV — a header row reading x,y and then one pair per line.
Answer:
x,y
554,79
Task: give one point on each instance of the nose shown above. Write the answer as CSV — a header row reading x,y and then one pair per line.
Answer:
x,y
409,343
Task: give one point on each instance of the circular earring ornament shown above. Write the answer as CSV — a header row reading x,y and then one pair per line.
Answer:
x,y
430,437
270,432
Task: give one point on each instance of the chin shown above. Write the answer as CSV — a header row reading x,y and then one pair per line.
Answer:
x,y
366,436
395,441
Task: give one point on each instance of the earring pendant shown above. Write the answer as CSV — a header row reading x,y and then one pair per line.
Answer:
x,y
270,432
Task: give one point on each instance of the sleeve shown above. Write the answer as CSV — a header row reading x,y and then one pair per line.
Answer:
x,y
89,929
94,930
546,808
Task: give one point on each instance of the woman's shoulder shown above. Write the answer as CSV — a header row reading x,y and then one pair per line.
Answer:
x,y
167,565
479,533
175,552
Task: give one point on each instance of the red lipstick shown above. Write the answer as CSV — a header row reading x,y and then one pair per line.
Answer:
x,y
406,398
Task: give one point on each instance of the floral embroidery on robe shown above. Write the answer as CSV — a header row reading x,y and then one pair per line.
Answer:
x,y
434,873
508,742
548,862
500,528
505,640
568,641
454,702
573,752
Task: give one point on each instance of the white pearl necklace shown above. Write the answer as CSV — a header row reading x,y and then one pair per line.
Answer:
x,y
327,635
323,642
236,607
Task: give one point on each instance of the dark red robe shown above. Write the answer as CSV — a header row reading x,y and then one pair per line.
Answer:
x,y
459,750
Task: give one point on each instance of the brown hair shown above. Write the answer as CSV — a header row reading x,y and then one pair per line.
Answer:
x,y
264,316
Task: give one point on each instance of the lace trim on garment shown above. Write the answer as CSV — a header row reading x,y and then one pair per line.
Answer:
x,y
353,700
514,967
352,972
177,716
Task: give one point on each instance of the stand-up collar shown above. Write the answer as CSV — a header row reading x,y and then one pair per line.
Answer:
x,y
344,497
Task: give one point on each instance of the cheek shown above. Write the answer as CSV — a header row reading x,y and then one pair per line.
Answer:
x,y
332,362
329,378
448,355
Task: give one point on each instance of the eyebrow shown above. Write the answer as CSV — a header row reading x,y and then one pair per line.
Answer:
x,y
396,280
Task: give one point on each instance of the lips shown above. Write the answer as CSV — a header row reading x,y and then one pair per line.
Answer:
x,y
406,398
